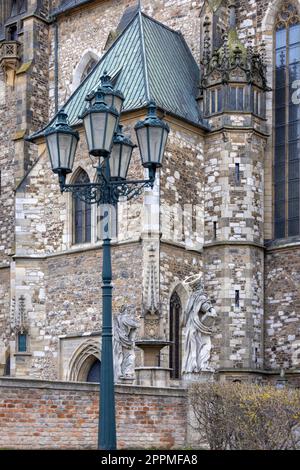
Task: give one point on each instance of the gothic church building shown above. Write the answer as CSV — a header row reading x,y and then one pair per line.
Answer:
x,y
225,208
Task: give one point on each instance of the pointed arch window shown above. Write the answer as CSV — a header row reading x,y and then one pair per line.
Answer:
x,y
18,7
287,123
88,68
81,214
175,336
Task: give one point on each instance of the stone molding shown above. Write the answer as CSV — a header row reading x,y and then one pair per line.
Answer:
x,y
89,387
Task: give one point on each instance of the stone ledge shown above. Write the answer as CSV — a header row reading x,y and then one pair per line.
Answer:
x,y
72,251
4,266
14,382
286,243
256,371
233,243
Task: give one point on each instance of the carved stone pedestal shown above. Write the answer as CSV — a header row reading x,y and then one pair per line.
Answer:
x,y
126,380
153,376
200,377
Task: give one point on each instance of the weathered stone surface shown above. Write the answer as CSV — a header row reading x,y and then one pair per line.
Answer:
x,y
203,221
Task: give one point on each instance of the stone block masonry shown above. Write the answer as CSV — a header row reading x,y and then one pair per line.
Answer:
x,y
36,414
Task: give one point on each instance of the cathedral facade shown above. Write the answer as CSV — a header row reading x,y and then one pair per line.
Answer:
x,y
219,234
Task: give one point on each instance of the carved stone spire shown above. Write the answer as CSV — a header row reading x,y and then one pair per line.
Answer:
x,y
207,43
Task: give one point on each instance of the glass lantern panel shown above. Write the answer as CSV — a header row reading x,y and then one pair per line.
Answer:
x,y
155,144
142,136
125,161
108,99
65,145
111,123
88,131
98,130
118,103
53,150
72,152
114,160
163,146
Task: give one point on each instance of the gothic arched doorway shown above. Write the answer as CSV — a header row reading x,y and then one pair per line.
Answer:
x,y
175,336
93,374
85,365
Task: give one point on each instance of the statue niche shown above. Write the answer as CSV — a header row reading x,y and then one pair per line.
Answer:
x,y
199,319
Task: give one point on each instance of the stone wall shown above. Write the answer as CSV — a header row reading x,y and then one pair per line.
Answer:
x,y
4,314
282,305
52,415
238,337
7,167
63,298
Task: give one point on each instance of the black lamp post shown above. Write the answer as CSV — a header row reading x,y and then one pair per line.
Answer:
x,y
111,153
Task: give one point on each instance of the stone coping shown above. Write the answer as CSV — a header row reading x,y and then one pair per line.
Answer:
x,y
15,382
283,244
233,243
76,249
4,266
257,371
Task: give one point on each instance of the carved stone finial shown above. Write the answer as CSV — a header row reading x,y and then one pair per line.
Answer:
x,y
151,293
207,43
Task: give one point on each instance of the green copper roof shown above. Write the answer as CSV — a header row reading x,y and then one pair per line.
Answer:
x,y
148,61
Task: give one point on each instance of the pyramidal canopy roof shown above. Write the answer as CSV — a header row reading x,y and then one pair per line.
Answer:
x,y
149,62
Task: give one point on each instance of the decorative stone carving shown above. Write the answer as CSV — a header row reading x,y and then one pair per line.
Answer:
x,y
151,325
151,287
214,4
151,305
9,59
287,15
199,319
125,326
19,317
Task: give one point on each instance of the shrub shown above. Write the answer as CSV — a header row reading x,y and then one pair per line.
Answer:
x,y
245,416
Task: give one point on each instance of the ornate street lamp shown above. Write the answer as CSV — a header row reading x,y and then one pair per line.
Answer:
x,y
100,121
62,143
120,155
111,151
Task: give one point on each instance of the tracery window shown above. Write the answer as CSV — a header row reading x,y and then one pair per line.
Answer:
x,y
81,214
18,7
89,67
175,336
287,123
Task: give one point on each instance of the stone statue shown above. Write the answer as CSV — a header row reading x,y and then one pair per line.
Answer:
x,y
199,320
125,326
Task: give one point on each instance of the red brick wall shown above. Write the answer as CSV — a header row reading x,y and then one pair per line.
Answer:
x,y
37,414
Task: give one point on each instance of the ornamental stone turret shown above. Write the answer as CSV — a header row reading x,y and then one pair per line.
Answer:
x,y
233,77
234,89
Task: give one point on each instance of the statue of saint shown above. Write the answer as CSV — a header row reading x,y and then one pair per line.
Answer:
x,y
199,320
125,326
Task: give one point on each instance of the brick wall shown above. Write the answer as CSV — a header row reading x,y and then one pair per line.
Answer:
x,y
38,414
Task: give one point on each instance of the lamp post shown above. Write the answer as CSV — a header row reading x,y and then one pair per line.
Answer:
x,y
111,153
